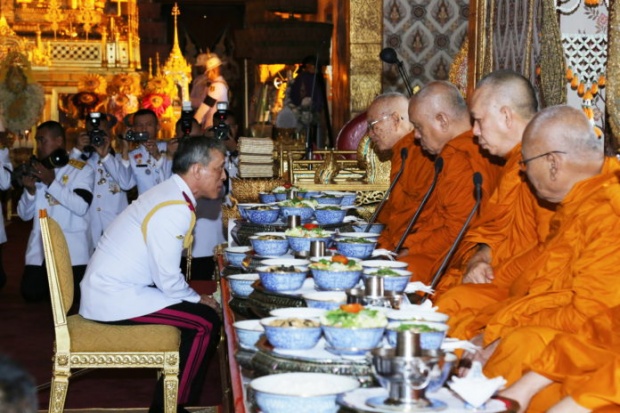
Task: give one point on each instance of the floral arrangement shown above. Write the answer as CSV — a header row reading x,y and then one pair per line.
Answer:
x,y
157,102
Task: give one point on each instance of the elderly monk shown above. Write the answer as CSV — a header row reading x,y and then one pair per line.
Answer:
x,y
513,220
443,127
571,276
574,372
390,130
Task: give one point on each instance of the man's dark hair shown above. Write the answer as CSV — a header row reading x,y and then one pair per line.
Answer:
x,y
195,150
54,127
18,392
143,112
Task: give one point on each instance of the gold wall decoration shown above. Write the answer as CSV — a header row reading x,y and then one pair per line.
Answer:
x,y
552,62
613,72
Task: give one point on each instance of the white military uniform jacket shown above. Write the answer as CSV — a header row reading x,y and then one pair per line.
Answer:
x,y
147,171
5,183
65,207
112,179
135,269
218,91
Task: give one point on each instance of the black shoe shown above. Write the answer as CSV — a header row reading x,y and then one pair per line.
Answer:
x,y
180,409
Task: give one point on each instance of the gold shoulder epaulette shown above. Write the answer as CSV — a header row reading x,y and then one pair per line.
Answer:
x,y
76,164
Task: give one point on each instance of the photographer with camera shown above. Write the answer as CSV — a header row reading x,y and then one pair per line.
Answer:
x,y
147,162
112,179
64,187
216,91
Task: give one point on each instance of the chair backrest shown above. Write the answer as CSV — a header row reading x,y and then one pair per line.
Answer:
x,y
352,133
58,264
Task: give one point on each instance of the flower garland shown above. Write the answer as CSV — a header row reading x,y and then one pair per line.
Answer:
x,y
587,94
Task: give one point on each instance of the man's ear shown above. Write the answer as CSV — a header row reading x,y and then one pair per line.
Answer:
x,y
507,116
443,121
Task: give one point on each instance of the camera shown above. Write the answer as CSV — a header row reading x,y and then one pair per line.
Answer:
x,y
133,136
220,127
187,119
97,136
56,159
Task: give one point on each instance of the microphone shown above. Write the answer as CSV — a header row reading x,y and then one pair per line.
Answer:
x,y
388,55
403,155
439,273
438,169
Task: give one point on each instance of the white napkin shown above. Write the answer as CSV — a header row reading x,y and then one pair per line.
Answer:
x,y
451,344
382,252
475,388
414,286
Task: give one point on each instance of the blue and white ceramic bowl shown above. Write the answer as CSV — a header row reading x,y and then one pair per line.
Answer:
x,y
328,199
280,196
266,197
375,227
430,340
301,392
329,216
310,194
328,300
376,264
396,283
361,250
241,284
243,207
263,216
287,337
248,332
348,198
299,312
353,338
414,313
270,247
280,280
335,280
236,255
299,244
294,262
306,213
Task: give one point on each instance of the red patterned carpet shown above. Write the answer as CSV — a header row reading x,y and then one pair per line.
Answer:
x,y
27,336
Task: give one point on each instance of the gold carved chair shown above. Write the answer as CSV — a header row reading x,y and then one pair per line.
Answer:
x,y
81,343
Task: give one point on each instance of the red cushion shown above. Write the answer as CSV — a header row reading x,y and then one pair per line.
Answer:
x,y
351,134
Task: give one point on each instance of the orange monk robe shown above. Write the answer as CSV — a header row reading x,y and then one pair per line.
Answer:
x,y
559,283
408,191
449,205
513,221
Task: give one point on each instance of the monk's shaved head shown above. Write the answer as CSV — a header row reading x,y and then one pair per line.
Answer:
x,y
442,96
388,121
560,149
505,87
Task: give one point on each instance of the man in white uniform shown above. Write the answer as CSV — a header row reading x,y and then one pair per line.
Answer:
x,y
5,183
217,92
148,162
112,179
134,275
66,192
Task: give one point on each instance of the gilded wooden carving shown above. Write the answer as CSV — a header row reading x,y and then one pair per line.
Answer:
x,y
613,72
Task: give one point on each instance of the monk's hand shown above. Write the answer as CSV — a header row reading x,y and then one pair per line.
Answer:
x,y
478,273
211,302
481,355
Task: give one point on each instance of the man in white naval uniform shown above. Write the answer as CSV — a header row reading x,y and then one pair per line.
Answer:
x,y
148,162
217,91
134,275
5,183
66,192
112,179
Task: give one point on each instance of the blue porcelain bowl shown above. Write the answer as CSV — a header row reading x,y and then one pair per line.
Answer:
x,y
266,197
348,198
355,249
396,283
281,281
428,340
236,255
310,194
243,207
375,228
248,333
301,392
270,247
327,300
268,216
291,338
353,338
299,244
335,280
241,284
329,216
305,213
328,200
280,196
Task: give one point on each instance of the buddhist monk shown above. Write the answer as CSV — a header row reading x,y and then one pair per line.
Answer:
x,y
443,127
390,130
513,220
573,372
572,275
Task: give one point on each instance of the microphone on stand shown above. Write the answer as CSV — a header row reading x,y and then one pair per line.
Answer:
x,y
403,156
439,273
438,169
388,55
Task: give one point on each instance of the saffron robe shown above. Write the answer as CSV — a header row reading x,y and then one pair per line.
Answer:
x,y
449,205
408,191
513,222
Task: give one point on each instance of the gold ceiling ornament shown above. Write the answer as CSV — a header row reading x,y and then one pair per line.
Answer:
x,y
92,83
54,15
176,67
